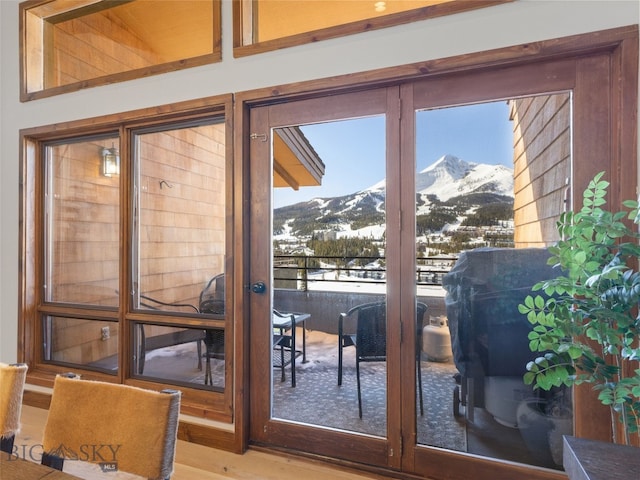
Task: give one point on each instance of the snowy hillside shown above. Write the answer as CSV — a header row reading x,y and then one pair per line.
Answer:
x,y
449,184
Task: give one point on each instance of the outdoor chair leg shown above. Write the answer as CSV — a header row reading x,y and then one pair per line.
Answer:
x,y
282,362
419,370
293,353
359,394
339,361
208,377
142,350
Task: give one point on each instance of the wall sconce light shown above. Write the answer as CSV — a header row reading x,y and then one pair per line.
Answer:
x,y
110,161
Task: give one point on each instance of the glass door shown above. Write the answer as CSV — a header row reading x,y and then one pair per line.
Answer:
x,y
498,157
329,269
459,233
322,316
483,226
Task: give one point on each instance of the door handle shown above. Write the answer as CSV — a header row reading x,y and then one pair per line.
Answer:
x,y
259,287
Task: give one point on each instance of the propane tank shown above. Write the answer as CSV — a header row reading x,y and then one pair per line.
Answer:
x,y
436,340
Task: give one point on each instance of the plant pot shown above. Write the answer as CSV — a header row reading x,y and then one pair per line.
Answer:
x,y
502,397
542,433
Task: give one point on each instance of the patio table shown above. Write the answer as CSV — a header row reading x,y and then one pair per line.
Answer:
x,y
288,321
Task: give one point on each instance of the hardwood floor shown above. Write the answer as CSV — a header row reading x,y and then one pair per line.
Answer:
x,y
196,462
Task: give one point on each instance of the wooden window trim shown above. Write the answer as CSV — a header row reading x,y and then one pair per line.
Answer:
x,y
433,11
209,405
26,95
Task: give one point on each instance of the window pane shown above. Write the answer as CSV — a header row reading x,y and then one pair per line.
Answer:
x,y
330,272
192,357
81,222
95,39
283,19
180,217
490,187
87,343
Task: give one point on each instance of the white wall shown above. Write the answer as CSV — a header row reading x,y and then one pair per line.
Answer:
x,y
2,341
519,22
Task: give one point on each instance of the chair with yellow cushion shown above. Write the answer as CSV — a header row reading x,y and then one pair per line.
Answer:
x,y
120,427
12,378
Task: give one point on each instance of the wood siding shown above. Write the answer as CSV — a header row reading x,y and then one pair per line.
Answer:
x,y
181,232
79,49
182,219
80,341
542,166
83,230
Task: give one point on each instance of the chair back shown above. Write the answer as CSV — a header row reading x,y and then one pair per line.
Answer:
x,y
12,379
371,332
371,329
212,297
135,429
371,339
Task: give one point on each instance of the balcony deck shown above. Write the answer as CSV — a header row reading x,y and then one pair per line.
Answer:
x,y
337,407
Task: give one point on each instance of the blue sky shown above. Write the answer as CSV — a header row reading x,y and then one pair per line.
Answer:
x,y
353,150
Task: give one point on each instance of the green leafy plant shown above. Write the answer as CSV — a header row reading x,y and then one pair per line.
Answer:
x,y
586,323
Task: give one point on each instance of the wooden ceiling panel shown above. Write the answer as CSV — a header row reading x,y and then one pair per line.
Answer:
x,y
173,29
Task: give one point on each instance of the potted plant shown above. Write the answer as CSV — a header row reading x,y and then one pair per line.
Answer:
x,y
586,321
543,421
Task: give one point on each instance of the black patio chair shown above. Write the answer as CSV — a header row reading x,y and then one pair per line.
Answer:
x,y
370,340
212,296
212,301
166,340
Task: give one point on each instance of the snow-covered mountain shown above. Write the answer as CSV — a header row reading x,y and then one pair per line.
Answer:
x,y
449,180
450,176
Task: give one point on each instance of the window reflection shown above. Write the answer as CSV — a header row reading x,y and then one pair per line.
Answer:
x,y
194,357
80,342
82,225
490,201
180,208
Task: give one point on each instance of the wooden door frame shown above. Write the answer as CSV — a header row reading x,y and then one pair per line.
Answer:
x,y
620,158
384,452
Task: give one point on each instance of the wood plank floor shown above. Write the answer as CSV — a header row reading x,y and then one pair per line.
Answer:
x,y
197,462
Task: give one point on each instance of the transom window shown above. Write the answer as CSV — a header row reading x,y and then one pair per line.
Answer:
x,y
271,24
72,45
